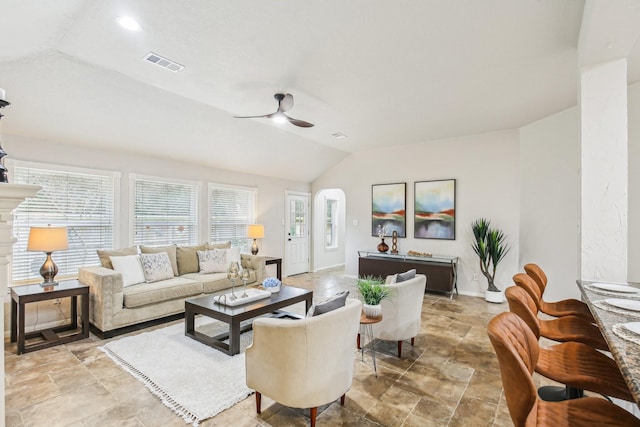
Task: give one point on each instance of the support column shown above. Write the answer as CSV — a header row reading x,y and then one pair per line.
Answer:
x,y
604,171
11,195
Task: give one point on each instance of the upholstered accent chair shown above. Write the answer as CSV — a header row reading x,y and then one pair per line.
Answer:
x,y
304,363
402,312
518,353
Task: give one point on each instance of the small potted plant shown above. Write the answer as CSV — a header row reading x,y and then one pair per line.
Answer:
x,y
491,247
272,284
373,291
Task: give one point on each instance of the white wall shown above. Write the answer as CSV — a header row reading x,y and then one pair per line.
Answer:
x,y
323,257
487,184
550,200
633,96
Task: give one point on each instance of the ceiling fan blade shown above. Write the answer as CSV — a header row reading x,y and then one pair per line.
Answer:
x,y
252,117
300,123
286,104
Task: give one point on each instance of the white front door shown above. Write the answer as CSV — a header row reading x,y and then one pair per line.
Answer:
x,y
297,229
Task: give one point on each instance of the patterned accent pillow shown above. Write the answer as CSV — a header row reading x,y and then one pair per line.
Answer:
x,y
213,261
156,266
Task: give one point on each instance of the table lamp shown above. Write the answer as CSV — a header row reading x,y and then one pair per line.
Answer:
x,y
255,231
47,240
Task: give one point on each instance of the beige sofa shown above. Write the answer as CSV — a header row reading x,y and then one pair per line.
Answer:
x,y
115,308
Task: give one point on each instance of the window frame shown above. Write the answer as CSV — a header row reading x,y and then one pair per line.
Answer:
x,y
245,247
115,176
134,178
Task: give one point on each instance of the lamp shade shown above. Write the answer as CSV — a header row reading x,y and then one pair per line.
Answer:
x,y
48,239
255,231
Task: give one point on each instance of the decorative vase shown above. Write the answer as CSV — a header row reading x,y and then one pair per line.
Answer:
x,y
273,289
382,246
493,296
372,311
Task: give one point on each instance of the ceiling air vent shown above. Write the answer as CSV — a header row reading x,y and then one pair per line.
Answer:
x,y
163,62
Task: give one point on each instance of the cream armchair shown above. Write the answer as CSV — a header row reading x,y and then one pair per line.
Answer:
x,y
402,312
304,363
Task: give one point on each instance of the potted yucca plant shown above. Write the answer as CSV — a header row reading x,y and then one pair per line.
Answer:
x,y
373,291
491,247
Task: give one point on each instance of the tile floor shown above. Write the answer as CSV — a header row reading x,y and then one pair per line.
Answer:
x,y
450,378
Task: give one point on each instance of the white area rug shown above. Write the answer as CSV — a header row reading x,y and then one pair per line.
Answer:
x,y
192,379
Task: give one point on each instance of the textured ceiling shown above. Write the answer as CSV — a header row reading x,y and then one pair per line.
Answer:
x,y
381,72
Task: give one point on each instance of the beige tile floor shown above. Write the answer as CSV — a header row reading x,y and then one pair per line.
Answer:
x,y
450,378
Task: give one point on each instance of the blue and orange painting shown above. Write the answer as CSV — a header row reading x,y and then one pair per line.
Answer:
x,y
388,209
435,210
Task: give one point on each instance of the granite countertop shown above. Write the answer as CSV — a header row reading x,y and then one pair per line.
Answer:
x,y
626,353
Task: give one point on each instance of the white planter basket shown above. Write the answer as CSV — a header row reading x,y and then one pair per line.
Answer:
x,y
495,297
372,310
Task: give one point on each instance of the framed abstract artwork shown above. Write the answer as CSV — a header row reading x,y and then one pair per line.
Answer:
x,y
435,210
388,209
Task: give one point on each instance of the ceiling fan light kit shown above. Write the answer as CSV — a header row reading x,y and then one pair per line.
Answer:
x,y
285,103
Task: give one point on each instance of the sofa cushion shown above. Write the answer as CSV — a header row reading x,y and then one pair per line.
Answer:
x,y
156,266
105,255
170,250
165,290
187,258
130,268
218,260
328,304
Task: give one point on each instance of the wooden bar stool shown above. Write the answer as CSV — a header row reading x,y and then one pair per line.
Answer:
x,y
518,354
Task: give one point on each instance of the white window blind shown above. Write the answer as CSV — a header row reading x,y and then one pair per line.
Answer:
x,y
83,202
165,212
232,209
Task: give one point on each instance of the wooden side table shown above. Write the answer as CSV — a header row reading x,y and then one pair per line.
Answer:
x,y
367,324
278,262
22,295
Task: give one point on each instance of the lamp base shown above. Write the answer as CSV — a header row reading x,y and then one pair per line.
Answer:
x,y
254,248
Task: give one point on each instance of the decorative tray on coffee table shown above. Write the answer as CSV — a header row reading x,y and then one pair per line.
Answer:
x,y
252,295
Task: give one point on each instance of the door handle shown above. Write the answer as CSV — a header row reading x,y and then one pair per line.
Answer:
x,y
289,239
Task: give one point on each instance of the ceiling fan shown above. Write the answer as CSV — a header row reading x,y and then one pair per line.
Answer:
x,y
285,103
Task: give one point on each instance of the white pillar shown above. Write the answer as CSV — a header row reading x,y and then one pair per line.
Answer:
x,y
11,195
604,170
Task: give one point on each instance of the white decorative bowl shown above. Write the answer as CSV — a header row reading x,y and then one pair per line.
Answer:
x,y
273,289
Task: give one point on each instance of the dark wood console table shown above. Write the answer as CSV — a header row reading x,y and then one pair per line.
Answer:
x,y
441,270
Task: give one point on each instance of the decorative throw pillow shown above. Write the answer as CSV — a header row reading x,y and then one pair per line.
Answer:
x,y
328,304
156,266
213,261
105,255
407,275
130,268
225,245
170,250
187,258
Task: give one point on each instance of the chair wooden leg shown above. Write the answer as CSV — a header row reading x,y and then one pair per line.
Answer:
x,y
413,340
358,341
342,399
314,413
399,349
258,402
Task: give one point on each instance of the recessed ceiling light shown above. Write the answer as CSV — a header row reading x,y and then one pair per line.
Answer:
x,y
129,23
339,135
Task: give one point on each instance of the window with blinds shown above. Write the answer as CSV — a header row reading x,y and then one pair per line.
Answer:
x,y
231,209
81,201
165,212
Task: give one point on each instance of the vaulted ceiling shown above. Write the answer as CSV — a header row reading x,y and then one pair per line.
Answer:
x,y
380,72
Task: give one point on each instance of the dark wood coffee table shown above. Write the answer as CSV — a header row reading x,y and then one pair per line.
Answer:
x,y
206,306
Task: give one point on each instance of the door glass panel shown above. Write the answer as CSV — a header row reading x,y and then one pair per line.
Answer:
x,y
297,218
